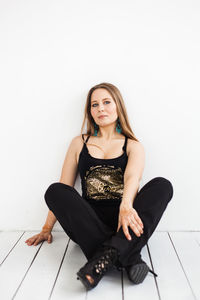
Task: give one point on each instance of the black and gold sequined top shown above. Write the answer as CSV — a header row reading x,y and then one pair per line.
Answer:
x,y
102,180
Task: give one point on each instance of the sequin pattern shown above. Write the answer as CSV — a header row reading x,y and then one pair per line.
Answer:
x,y
104,182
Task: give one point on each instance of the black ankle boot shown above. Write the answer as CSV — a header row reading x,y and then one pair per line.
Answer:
x,y
138,271
97,266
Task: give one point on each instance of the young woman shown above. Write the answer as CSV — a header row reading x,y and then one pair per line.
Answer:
x,y
111,221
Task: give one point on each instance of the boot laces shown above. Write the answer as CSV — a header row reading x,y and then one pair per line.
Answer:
x,y
104,262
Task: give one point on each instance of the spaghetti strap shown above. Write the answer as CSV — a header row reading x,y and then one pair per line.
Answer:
x,y
86,139
125,143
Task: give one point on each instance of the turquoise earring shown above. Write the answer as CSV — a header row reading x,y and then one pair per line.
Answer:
x,y
95,129
118,127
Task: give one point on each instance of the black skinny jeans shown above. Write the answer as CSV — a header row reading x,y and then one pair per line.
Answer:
x,y
91,226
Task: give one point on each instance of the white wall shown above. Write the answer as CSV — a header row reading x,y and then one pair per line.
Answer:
x,y
53,52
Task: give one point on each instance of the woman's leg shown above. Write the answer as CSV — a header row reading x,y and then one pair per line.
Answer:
x,y
150,204
77,217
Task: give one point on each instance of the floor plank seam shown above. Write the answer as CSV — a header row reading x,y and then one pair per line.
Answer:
x,y
12,248
64,254
15,293
156,283
182,266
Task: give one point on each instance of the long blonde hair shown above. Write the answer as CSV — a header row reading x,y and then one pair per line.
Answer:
x,y
121,110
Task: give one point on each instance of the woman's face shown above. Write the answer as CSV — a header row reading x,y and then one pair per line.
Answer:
x,y
102,103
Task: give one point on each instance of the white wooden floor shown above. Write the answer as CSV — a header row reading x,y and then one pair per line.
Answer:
x,y
48,271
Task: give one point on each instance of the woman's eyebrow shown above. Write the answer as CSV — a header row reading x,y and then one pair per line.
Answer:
x,y
102,99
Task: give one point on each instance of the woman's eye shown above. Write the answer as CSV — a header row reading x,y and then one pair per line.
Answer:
x,y
97,104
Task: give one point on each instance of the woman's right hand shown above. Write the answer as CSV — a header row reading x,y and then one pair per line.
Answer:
x,y
44,235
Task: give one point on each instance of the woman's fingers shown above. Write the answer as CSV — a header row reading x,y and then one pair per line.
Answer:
x,y
136,228
30,241
138,219
119,224
139,222
132,220
50,238
36,239
126,232
139,227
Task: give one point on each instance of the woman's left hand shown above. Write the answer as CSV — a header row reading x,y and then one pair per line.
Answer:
x,y
128,216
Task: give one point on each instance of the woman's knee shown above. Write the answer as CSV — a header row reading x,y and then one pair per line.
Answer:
x,y
54,190
166,186
51,190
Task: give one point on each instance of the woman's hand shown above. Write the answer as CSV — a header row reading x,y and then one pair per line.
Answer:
x,y
42,236
128,216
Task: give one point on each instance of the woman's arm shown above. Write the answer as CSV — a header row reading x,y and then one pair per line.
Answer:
x,y
133,172
128,216
131,188
50,221
68,176
70,167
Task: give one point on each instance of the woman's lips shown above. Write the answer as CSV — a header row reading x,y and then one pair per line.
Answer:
x,y
101,117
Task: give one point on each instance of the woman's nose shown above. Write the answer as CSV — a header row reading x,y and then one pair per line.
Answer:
x,y
101,107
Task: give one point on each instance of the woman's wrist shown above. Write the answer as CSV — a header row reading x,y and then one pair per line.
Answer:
x,y
46,228
125,205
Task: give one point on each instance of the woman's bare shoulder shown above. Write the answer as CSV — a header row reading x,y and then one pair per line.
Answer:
x,y
133,142
78,144
132,145
79,138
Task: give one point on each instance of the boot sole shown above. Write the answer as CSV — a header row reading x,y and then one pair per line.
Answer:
x,y
137,273
84,281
